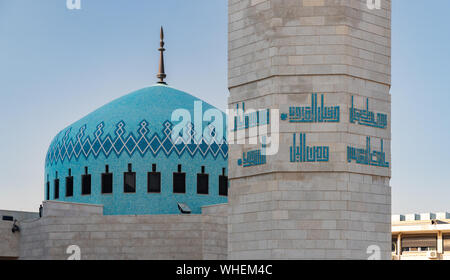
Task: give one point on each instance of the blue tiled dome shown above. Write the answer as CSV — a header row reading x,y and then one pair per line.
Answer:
x,y
134,133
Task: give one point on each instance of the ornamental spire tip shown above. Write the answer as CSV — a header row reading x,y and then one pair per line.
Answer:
x,y
161,75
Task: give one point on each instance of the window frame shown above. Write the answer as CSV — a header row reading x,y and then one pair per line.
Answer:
x,y
67,186
48,190
223,178
183,176
84,179
56,189
153,173
202,176
103,187
125,185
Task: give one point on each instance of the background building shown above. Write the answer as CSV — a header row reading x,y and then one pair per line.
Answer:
x,y
423,236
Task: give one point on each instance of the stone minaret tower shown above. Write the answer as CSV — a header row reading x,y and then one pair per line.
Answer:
x,y
326,66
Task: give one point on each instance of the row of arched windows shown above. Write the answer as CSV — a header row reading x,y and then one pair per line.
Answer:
x,y
129,182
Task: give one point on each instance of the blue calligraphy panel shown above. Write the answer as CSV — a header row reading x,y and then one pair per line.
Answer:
x,y
313,114
304,153
366,117
254,157
366,156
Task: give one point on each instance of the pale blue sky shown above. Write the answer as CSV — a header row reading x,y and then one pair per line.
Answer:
x,y
57,65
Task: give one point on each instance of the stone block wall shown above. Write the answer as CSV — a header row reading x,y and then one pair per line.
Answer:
x,y
123,237
9,244
9,241
309,216
215,232
297,37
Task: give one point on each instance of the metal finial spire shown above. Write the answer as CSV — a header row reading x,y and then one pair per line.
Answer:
x,y
161,75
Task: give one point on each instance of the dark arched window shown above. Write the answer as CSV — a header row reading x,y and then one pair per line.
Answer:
x,y
69,184
48,188
56,184
129,180
107,181
86,182
202,182
179,181
223,184
154,181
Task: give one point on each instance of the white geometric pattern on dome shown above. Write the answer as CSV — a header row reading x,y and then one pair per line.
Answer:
x,y
66,148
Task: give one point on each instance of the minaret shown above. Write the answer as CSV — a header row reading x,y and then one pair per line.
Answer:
x,y
161,75
326,66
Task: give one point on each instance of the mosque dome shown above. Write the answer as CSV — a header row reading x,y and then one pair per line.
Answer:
x,y
148,152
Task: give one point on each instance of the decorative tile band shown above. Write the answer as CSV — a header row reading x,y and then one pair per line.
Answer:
x,y
83,145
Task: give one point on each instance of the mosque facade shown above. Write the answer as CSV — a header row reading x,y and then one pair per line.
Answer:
x,y
123,156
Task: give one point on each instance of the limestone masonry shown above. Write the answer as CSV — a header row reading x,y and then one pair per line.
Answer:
x,y
330,197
